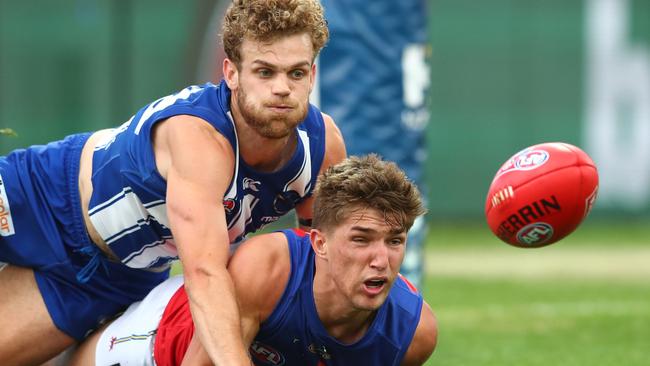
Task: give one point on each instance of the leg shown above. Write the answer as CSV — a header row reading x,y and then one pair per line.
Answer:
x,y
63,359
85,353
27,334
129,338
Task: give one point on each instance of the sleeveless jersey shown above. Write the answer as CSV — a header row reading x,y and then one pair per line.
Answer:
x,y
128,208
294,335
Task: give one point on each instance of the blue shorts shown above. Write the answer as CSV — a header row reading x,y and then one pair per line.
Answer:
x,y
42,227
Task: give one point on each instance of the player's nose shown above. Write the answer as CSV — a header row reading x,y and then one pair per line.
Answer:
x,y
379,258
281,86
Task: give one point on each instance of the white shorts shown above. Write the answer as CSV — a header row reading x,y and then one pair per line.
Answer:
x,y
130,338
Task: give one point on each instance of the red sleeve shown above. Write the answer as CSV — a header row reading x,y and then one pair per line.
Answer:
x,y
175,331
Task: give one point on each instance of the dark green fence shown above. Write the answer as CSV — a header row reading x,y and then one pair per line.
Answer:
x,y
505,74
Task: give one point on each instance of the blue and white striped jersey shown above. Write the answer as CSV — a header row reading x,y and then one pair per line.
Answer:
x,y
128,206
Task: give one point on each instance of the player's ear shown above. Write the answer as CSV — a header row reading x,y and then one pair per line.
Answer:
x,y
230,73
318,242
312,77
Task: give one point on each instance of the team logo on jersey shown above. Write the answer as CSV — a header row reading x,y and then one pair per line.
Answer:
x,y
266,354
6,222
269,219
285,201
251,184
527,159
229,205
320,351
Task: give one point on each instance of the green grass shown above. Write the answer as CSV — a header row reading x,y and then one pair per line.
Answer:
x,y
582,301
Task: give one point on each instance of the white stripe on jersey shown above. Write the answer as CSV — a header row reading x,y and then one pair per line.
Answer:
x,y
232,191
124,213
109,201
163,103
158,209
300,183
150,253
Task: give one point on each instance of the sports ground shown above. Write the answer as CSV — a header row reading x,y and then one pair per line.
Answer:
x,y
582,301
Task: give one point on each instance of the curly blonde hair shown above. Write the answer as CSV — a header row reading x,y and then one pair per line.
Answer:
x,y
364,182
268,20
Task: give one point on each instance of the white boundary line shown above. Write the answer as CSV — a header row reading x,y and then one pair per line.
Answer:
x,y
615,264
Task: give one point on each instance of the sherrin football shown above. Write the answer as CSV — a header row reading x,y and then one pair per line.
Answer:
x,y
541,194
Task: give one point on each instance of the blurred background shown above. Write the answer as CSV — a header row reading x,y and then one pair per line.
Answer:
x,y
500,75
504,74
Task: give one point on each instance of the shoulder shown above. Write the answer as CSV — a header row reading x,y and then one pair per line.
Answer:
x,y
335,150
184,124
184,138
425,338
260,270
332,131
265,247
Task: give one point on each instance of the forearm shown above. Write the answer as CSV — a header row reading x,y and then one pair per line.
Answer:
x,y
216,317
195,354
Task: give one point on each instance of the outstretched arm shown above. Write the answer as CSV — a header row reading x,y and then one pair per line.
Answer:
x,y
260,270
197,163
425,339
334,153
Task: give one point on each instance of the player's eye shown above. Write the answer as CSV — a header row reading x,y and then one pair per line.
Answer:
x,y
359,239
396,241
298,74
264,73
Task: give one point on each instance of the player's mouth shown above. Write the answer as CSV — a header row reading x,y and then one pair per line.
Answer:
x,y
280,108
375,285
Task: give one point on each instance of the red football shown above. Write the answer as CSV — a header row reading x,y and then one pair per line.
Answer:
x,y
541,194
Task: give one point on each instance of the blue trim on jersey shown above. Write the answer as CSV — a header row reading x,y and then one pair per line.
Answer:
x,y
294,333
128,206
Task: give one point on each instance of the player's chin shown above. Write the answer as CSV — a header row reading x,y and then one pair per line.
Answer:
x,y
372,299
280,127
275,130
371,304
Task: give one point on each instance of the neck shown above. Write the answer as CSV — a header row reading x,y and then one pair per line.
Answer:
x,y
340,319
259,152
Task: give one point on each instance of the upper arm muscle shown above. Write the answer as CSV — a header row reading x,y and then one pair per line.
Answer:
x,y
197,162
260,271
425,339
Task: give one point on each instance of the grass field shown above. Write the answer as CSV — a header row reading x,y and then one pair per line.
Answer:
x,y
582,301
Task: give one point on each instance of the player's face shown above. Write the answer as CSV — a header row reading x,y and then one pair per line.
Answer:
x,y
272,85
364,257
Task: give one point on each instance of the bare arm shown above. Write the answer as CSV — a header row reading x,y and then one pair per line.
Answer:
x,y
334,153
195,354
197,163
425,339
260,270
